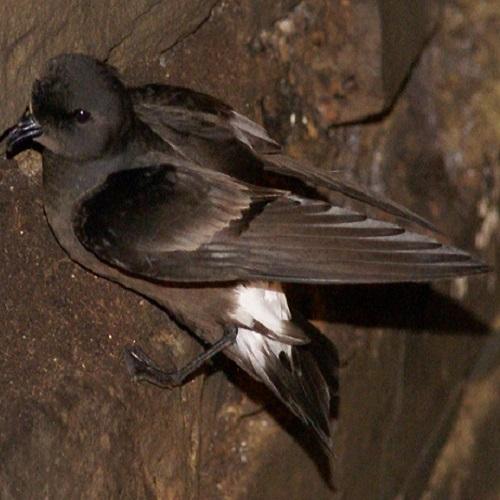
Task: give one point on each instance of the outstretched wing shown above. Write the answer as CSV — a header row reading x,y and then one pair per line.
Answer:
x,y
176,223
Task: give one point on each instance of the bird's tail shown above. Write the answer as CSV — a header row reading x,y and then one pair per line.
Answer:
x,y
303,377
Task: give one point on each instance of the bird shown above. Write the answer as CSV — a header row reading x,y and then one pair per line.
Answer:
x,y
173,194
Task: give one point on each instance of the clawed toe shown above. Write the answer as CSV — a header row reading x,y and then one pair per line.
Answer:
x,y
142,368
137,362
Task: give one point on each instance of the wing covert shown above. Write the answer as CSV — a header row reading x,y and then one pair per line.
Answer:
x,y
143,219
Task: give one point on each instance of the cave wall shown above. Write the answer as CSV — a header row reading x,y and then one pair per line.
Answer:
x,y
402,96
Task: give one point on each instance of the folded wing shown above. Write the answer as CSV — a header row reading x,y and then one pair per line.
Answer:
x,y
180,223
172,110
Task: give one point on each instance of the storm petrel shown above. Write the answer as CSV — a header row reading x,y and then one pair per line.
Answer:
x,y
172,193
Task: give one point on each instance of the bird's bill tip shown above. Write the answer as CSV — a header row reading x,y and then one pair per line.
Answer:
x,y
19,137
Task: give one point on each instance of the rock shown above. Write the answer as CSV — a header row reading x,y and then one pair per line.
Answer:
x,y
348,60
74,425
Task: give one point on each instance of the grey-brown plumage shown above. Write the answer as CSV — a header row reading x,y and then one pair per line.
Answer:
x,y
173,194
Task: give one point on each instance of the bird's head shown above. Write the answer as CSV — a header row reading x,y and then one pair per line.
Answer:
x,y
79,109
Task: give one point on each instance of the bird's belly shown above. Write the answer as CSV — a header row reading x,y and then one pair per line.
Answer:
x,y
203,310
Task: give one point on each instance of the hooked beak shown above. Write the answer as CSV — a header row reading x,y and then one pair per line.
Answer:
x,y
19,136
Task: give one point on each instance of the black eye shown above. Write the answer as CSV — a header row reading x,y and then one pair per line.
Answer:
x,y
81,116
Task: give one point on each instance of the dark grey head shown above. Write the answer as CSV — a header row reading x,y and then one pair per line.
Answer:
x,y
79,108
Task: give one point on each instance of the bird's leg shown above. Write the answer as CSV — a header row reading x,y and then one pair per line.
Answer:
x,y
142,367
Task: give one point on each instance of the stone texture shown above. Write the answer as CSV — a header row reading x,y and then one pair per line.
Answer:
x,y
347,60
468,465
414,374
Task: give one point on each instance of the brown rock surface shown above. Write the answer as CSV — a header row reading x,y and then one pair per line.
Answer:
x,y
72,423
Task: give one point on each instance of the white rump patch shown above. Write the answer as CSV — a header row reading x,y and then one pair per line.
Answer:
x,y
268,305
256,348
260,302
